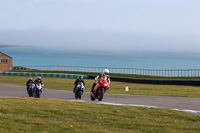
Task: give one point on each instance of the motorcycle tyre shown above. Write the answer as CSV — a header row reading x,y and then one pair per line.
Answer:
x,y
100,94
36,95
79,94
91,97
76,94
30,93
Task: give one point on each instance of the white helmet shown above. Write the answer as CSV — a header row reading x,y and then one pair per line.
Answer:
x,y
30,78
106,71
38,77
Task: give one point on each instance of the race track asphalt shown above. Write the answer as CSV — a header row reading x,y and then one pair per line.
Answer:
x,y
181,103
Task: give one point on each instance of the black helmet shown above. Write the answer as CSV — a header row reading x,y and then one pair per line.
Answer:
x,y
80,77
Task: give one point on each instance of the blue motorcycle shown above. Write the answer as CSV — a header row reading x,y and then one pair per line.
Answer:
x,y
31,89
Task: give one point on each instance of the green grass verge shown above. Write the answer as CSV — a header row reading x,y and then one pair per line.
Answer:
x,y
111,74
19,115
116,87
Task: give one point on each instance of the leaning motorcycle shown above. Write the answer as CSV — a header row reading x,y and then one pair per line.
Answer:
x,y
31,89
79,90
100,89
38,90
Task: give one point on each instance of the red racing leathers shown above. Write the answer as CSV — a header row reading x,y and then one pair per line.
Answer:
x,y
38,81
97,80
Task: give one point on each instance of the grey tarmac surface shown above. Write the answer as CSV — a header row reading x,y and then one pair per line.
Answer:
x,y
182,103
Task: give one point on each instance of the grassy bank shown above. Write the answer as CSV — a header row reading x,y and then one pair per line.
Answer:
x,y
50,116
116,87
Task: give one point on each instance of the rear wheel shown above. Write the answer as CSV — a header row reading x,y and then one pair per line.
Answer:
x,y
92,96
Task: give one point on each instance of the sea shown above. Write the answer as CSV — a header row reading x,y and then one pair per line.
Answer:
x,y
32,56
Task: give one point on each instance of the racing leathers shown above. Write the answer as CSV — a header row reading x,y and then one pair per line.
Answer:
x,y
27,84
38,81
97,80
76,83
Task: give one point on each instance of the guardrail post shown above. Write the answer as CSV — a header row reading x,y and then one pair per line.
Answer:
x,y
171,73
181,72
185,73
195,72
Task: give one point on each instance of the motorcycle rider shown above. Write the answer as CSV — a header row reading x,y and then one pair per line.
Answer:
x,y
38,80
27,83
104,73
80,79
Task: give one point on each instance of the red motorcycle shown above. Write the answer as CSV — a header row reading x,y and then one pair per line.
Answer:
x,y
99,89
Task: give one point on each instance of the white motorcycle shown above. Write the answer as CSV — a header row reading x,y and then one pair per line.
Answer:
x,y
79,90
38,90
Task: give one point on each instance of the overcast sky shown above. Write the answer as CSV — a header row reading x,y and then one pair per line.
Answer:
x,y
115,25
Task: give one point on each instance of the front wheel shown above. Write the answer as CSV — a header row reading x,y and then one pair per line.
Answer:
x,y
100,93
79,94
37,94
76,94
30,93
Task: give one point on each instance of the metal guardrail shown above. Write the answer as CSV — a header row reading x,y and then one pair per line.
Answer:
x,y
135,71
189,82
58,75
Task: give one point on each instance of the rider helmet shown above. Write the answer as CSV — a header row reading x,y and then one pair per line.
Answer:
x,y
80,77
39,78
106,71
30,78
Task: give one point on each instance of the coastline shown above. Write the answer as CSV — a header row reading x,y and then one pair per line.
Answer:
x,y
7,45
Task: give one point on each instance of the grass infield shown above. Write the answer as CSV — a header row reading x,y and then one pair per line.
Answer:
x,y
116,87
19,115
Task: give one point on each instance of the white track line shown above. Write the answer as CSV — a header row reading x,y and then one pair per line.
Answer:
x,y
195,112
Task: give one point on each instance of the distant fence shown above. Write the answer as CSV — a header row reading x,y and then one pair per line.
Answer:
x,y
190,82
58,75
135,71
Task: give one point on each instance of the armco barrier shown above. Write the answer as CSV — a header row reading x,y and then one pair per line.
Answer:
x,y
135,71
58,75
154,81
